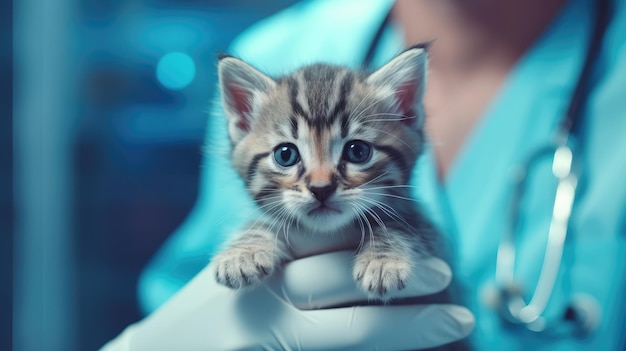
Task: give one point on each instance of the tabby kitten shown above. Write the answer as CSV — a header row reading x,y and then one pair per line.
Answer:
x,y
328,150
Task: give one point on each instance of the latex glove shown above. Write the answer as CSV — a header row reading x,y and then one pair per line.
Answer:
x,y
283,313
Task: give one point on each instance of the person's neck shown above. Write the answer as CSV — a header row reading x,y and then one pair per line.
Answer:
x,y
477,42
469,34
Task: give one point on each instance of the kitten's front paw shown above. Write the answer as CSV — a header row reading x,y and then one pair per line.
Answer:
x,y
379,275
238,267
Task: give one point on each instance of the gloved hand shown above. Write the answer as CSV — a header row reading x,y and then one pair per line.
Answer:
x,y
294,311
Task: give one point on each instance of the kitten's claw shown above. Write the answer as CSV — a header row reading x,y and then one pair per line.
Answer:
x,y
237,268
378,275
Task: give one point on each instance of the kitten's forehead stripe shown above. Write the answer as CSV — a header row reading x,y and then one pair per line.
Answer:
x,y
293,98
318,80
319,94
303,92
345,126
294,126
344,89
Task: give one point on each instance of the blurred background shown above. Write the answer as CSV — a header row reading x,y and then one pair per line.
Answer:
x,y
101,158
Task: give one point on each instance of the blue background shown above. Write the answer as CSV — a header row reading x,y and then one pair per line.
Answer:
x,y
127,110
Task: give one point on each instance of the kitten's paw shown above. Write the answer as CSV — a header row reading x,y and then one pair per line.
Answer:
x,y
237,268
378,275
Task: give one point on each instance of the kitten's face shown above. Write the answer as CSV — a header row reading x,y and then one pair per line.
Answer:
x,y
326,144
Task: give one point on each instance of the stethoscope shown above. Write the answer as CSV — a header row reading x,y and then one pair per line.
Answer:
x,y
582,313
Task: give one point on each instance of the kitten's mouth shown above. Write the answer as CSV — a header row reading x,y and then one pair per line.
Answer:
x,y
323,210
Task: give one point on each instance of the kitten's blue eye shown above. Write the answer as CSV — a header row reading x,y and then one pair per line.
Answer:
x,y
357,151
286,155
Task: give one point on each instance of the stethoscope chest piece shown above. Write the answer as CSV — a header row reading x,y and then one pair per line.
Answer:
x,y
579,318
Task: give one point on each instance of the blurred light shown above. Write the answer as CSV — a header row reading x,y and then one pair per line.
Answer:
x,y
176,70
152,33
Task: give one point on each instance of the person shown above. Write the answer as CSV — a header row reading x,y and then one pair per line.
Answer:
x,y
501,78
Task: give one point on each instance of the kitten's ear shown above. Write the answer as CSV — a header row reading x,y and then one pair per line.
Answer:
x,y
405,76
240,85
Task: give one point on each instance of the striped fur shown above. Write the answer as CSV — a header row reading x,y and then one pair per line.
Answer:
x,y
319,109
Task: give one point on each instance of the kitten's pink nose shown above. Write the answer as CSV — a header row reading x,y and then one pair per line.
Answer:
x,y
322,193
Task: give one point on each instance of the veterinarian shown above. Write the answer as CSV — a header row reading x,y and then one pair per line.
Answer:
x,y
526,173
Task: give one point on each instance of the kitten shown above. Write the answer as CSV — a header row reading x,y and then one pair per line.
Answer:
x,y
328,150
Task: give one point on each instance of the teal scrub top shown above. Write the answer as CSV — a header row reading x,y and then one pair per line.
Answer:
x,y
471,204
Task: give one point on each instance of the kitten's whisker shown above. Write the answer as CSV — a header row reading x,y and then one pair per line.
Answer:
x,y
390,187
372,180
285,225
255,210
388,120
259,224
268,206
367,222
376,217
259,221
278,196
297,224
391,212
267,200
362,241
403,117
392,195
394,136
377,101
365,210
387,114
276,220
292,218
278,229
369,225
270,209
366,98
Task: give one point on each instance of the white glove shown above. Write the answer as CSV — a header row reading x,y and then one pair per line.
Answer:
x,y
293,311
